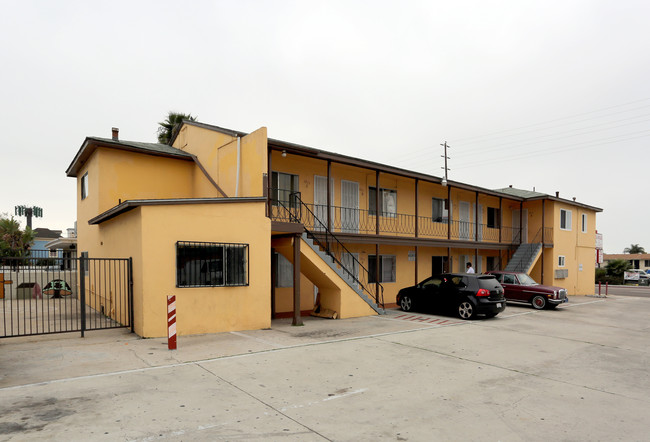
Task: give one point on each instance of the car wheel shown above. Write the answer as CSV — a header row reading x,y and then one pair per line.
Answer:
x,y
538,301
465,310
406,303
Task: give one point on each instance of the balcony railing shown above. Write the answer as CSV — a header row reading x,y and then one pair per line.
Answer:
x,y
292,209
362,221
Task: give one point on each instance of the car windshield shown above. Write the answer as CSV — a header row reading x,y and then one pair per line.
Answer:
x,y
524,279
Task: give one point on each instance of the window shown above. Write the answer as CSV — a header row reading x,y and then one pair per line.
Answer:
x,y
84,186
560,261
386,268
283,185
493,218
440,210
284,276
584,223
208,264
490,263
565,219
647,263
387,202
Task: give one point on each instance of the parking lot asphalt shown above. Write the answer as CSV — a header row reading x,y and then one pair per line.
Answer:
x,y
577,373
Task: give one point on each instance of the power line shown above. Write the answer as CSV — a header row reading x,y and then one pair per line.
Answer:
x,y
531,142
569,147
559,119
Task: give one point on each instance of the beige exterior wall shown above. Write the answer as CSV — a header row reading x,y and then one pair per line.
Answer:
x,y
217,153
150,234
577,248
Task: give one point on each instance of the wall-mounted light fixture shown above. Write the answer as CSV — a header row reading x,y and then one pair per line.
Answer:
x,y
284,153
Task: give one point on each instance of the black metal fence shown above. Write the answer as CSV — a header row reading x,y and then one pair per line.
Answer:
x,y
41,295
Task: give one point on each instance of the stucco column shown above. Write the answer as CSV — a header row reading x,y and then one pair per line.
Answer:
x,y
297,320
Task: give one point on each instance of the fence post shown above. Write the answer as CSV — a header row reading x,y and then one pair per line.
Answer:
x,y
82,294
130,266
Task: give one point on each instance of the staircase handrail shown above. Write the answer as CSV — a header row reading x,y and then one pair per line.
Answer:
x,y
324,231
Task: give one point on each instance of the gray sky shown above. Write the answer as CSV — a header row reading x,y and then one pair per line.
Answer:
x,y
547,94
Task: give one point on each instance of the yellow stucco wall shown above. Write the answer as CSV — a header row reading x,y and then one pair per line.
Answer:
x,y
205,309
217,153
126,175
577,247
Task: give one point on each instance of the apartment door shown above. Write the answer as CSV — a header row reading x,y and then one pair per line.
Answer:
x,y
349,206
320,202
462,263
439,265
463,220
515,226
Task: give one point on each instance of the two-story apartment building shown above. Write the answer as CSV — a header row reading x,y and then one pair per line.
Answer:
x,y
243,228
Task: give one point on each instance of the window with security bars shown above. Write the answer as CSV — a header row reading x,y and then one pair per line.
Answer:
x,y
387,268
209,264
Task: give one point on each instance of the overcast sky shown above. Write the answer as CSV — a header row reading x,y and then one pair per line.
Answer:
x,y
551,95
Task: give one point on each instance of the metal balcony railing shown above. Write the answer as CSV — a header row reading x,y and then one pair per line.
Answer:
x,y
288,207
364,222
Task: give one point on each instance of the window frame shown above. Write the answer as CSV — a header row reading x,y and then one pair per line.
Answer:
x,y
494,221
276,191
84,186
372,268
372,199
442,204
206,259
284,272
567,219
561,261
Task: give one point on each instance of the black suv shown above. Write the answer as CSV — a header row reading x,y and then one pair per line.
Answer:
x,y
464,294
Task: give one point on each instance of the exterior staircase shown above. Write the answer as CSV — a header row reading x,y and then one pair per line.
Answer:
x,y
342,282
525,258
339,290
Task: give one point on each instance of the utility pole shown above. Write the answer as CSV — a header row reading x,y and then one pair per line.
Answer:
x,y
444,180
28,212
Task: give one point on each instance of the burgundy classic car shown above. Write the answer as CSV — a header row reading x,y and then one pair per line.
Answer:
x,y
520,287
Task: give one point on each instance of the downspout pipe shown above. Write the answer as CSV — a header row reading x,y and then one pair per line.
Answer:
x,y
238,167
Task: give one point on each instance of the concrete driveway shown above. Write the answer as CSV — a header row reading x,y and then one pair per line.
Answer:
x,y
577,373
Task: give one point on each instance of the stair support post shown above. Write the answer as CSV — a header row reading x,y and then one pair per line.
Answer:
x,y
297,320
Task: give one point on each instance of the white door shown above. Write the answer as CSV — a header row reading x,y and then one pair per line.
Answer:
x,y
462,263
515,226
320,202
479,226
351,263
463,220
349,206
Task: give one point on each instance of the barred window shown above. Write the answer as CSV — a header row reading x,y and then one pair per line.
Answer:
x,y
209,264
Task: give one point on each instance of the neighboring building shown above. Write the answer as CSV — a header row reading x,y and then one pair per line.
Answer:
x,y
219,218
638,261
42,236
65,248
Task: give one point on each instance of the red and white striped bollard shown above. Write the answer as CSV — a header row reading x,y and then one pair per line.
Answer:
x,y
171,322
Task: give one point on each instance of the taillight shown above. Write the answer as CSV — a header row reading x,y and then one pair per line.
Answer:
x,y
483,292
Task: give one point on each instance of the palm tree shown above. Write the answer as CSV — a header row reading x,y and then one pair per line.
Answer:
x,y
634,249
13,241
166,129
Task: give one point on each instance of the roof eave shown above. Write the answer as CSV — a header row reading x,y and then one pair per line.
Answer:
x,y
90,144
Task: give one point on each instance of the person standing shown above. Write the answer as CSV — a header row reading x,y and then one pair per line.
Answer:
x,y
470,269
